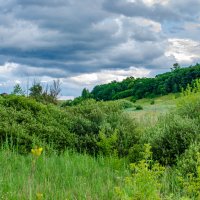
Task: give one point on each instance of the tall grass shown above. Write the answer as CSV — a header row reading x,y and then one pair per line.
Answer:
x,y
68,176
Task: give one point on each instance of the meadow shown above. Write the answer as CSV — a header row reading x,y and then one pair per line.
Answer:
x,y
101,150
68,176
152,109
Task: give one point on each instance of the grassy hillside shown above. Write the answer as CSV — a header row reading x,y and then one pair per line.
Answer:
x,y
152,109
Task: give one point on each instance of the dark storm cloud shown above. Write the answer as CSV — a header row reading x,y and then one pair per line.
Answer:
x,y
71,35
139,9
174,10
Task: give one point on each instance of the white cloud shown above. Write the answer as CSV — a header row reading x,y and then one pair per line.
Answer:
x,y
186,51
106,76
7,68
153,2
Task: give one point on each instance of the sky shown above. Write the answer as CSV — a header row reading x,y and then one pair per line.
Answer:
x,y
84,43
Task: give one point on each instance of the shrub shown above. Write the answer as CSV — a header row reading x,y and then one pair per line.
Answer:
x,y
138,107
152,102
189,106
144,182
135,153
133,99
107,145
171,136
191,181
25,122
189,161
125,104
90,118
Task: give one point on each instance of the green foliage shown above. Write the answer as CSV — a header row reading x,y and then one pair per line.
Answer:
x,y
176,66
145,181
90,117
122,94
103,128
191,181
86,94
25,122
171,137
17,90
133,99
152,102
189,104
138,107
136,153
74,102
176,134
188,162
170,82
108,145
36,90
125,104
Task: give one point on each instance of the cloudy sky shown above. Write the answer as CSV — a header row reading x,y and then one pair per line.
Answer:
x,y
89,42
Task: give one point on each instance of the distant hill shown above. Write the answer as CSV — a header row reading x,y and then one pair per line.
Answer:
x,y
162,84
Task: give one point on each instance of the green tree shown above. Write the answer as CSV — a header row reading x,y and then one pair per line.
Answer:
x,y
17,90
85,94
175,66
36,91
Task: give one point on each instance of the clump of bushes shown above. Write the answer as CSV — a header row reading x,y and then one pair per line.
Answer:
x,y
125,104
152,102
171,137
138,107
133,99
145,180
190,160
25,122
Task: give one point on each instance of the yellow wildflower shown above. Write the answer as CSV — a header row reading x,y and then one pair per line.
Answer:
x,y
37,151
39,196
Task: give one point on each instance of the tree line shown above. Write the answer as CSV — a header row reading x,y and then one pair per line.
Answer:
x,y
170,82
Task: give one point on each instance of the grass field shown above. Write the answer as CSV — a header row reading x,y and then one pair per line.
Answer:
x,y
69,176
150,112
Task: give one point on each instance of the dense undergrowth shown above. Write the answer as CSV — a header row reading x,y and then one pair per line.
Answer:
x,y
25,123
164,158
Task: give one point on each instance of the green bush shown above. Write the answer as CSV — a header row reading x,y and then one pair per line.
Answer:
x,y
171,136
135,153
25,122
152,102
145,180
88,119
138,107
189,106
188,162
133,99
125,104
